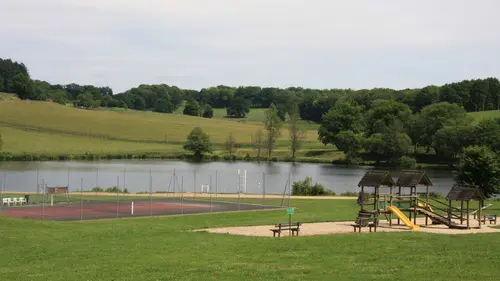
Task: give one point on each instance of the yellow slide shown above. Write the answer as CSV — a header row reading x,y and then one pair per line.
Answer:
x,y
402,217
428,207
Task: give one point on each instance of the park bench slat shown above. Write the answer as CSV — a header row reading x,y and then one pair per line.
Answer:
x,y
294,227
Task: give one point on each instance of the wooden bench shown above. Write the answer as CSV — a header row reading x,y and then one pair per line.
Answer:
x,y
489,217
294,227
365,222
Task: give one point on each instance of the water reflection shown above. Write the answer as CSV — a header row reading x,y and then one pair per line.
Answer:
x,y
135,175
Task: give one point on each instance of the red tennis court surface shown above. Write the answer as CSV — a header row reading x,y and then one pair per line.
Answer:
x,y
98,209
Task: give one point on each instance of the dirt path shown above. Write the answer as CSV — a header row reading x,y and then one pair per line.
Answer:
x,y
323,228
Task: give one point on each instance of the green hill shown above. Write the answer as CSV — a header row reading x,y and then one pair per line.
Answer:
x,y
48,128
124,125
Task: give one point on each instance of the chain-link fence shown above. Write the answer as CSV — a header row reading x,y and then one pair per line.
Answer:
x,y
128,193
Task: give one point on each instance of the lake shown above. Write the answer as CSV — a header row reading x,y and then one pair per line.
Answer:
x,y
221,177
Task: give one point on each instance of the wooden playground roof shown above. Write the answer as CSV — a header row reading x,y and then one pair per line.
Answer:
x,y
413,179
376,179
465,192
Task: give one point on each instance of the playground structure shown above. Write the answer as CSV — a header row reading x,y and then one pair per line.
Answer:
x,y
410,195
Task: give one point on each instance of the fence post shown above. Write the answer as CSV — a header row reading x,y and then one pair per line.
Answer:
x,y
182,195
124,178
1,196
210,191
150,193
216,182
194,184
117,195
239,191
81,199
2,187
174,184
263,188
68,180
97,177
37,185
43,201
289,189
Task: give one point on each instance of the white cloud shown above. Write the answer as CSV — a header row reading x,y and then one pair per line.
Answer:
x,y
319,43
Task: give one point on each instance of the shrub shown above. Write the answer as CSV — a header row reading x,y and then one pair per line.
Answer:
x,y
349,194
306,188
247,157
113,189
208,112
435,195
407,162
97,189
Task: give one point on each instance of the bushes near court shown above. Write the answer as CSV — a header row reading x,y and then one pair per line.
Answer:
x,y
306,188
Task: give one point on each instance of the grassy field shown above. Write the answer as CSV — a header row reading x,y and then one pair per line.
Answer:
x,y
129,125
21,141
57,129
164,249
17,141
485,114
66,130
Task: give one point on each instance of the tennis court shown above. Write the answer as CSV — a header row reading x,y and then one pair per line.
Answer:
x,y
100,209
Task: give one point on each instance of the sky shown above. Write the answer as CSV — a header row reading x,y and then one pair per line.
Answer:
x,y
270,43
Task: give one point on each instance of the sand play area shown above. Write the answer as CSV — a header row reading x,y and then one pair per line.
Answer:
x,y
325,228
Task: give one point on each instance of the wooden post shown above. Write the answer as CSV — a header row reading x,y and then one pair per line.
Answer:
x,y
415,201
390,204
479,212
449,212
399,221
468,224
362,197
462,211
426,204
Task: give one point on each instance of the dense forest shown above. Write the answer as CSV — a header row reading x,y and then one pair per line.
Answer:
x,y
472,95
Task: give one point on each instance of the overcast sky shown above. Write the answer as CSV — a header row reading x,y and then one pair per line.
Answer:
x,y
201,43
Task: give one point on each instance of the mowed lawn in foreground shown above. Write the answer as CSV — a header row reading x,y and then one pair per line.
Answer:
x,y
165,249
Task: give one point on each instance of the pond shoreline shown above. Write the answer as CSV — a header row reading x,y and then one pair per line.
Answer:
x,y
91,157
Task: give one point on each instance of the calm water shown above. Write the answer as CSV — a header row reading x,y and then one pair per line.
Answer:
x,y
140,175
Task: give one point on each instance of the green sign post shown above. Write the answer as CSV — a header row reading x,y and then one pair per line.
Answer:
x,y
290,212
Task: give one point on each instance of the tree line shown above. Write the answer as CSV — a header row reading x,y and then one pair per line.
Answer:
x,y
472,95
389,133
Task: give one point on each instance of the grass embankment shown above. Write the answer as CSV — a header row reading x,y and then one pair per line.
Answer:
x,y
52,129
160,249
